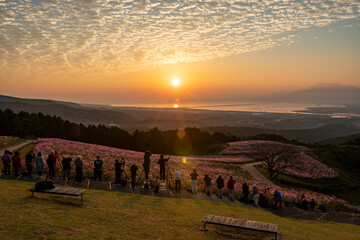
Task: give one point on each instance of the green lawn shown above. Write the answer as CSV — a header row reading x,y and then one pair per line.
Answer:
x,y
115,215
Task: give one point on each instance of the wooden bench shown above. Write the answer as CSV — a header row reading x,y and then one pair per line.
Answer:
x,y
240,223
61,191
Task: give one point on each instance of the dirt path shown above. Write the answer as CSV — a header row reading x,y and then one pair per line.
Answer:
x,y
255,173
16,147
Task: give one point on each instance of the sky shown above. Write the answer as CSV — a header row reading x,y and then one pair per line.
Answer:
x,y
127,52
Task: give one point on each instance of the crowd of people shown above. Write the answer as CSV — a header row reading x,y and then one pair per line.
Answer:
x,y
257,198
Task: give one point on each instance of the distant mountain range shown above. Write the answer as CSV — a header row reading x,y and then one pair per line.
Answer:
x,y
325,93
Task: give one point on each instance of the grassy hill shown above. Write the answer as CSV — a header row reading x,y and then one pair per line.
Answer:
x,y
353,139
115,215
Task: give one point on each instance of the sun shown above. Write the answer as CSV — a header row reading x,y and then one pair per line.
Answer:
x,y
175,82
175,105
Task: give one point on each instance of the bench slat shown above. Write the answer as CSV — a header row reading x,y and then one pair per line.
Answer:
x,y
205,219
211,218
61,191
241,223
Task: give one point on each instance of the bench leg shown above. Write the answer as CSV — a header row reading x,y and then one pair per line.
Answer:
x,y
32,194
205,229
275,236
82,202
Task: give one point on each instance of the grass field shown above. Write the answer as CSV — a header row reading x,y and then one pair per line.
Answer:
x,y
6,141
115,215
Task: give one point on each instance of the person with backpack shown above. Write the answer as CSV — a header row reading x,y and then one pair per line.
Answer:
x,y
39,162
6,158
78,169
245,190
146,164
194,176
66,163
255,192
305,204
133,170
220,186
51,161
162,162
263,202
278,199
177,180
29,160
98,163
231,187
208,186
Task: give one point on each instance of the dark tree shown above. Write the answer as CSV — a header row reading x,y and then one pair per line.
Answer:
x,y
277,157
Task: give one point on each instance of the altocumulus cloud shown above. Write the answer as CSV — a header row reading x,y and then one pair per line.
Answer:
x,y
129,35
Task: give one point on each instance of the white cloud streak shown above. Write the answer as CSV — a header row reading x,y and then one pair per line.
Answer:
x,y
128,35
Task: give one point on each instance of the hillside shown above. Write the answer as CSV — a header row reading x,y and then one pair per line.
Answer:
x,y
67,110
353,139
115,215
304,135
310,126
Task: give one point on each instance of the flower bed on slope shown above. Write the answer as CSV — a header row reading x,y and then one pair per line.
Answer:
x,y
88,153
304,166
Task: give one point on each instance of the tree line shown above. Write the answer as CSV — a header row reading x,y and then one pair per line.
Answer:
x,y
186,141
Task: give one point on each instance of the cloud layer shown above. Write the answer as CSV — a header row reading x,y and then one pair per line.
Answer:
x,y
121,36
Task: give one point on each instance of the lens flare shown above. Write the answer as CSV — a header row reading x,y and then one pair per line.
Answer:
x,y
181,133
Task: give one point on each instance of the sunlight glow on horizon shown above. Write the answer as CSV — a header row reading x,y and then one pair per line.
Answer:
x,y
175,82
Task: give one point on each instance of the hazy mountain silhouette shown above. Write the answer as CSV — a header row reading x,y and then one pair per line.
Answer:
x,y
67,110
325,93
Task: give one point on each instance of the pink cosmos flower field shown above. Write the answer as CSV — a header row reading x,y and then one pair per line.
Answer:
x,y
211,166
304,166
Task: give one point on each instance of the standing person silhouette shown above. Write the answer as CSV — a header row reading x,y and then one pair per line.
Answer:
x,y
16,162
245,190
208,186
39,164
51,161
177,180
194,176
29,160
146,164
162,162
133,170
6,158
78,169
119,170
66,163
231,187
220,186
98,168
